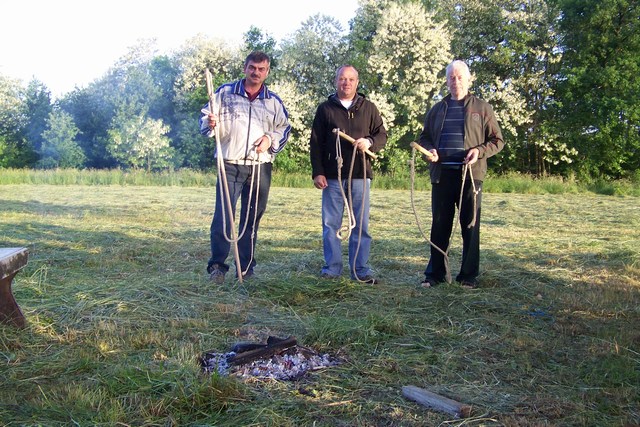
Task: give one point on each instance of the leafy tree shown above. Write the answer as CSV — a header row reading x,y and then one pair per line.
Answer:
x,y
38,107
59,147
254,40
600,113
139,141
190,62
310,58
312,54
401,50
92,113
15,150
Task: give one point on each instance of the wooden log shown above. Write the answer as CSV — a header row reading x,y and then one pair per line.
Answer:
x,y
273,346
437,402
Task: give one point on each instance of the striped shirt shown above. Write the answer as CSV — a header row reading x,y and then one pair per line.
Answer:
x,y
451,147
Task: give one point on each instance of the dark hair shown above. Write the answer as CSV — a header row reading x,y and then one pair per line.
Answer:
x,y
257,57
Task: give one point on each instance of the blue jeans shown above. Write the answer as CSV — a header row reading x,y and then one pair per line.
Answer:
x,y
239,180
359,240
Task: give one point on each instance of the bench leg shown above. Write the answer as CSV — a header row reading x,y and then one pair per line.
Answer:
x,y
9,311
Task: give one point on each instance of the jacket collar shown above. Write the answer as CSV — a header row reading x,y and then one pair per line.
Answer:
x,y
238,89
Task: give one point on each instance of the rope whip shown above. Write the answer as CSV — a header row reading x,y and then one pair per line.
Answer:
x,y
416,147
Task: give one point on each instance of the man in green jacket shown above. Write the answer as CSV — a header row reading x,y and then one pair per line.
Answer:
x,y
461,132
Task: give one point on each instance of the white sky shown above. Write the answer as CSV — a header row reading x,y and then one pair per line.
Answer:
x,y
69,43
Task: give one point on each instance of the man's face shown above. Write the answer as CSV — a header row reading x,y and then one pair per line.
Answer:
x,y
458,83
256,72
347,83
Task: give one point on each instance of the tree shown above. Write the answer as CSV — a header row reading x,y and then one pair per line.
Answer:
x,y
309,60
190,62
15,150
311,56
512,47
255,40
38,107
136,140
410,50
59,147
600,87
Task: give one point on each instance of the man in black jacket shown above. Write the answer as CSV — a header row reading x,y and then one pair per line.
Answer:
x,y
343,172
461,132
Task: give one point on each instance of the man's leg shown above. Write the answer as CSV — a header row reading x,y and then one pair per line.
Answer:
x,y
332,211
360,239
219,232
470,267
443,203
255,200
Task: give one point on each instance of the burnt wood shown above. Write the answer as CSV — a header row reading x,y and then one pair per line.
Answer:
x,y
274,346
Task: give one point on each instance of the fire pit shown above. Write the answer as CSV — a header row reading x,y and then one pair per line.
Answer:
x,y
278,358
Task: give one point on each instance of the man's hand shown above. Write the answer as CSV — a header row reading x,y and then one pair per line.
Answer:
x,y
363,144
262,144
320,182
212,121
434,156
472,156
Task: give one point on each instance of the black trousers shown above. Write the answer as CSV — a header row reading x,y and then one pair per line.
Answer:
x,y
445,197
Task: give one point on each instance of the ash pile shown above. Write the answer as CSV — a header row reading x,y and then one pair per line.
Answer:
x,y
278,358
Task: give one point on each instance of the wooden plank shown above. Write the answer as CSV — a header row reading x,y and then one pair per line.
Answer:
x,y
12,260
437,402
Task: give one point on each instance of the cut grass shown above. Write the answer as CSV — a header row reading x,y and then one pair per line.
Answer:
x,y
119,308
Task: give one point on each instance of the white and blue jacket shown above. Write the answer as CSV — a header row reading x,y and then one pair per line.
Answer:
x,y
242,122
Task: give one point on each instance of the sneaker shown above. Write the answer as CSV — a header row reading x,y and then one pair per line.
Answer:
x,y
215,274
369,280
248,275
328,276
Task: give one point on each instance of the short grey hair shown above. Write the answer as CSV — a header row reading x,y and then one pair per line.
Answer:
x,y
347,66
458,64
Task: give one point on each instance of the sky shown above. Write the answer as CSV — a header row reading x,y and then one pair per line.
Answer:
x,y
70,43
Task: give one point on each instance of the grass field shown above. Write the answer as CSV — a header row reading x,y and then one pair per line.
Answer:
x,y
119,308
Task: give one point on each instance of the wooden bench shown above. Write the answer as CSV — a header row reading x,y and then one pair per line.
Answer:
x,y
11,261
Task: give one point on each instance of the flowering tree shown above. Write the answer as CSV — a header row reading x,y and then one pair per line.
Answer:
x,y
138,141
410,52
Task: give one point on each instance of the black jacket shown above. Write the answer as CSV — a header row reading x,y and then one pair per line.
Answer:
x,y
361,120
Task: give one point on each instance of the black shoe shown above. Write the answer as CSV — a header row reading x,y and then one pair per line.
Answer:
x,y
369,280
328,276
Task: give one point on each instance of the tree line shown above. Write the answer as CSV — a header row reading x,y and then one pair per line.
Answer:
x,y
562,75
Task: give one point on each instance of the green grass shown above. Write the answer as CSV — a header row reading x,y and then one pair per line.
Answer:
x,y
508,183
119,308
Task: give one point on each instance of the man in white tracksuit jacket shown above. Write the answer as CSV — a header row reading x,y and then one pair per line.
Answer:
x,y
253,127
